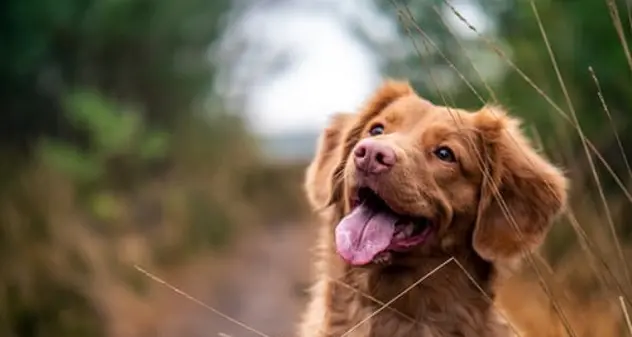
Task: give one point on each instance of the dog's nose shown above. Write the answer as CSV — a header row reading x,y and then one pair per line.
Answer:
x,y
373,157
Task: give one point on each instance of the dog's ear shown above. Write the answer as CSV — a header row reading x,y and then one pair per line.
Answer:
x,y
323,180
318,177
521,192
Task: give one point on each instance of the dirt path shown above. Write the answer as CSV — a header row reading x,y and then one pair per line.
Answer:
x,y
261,284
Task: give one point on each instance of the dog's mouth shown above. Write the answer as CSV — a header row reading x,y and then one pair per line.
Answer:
x,y
372,228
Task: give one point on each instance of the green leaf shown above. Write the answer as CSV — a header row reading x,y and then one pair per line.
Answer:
x,y
154,145
112,128
105,206
67,159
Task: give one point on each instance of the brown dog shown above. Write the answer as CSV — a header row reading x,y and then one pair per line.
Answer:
x,y
405,185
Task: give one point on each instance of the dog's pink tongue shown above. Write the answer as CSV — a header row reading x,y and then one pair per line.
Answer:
x,y
364,233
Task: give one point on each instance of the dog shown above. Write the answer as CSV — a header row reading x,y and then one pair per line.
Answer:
x,y
424,208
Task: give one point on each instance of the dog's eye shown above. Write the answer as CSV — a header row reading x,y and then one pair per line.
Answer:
x,y
376,130
445,153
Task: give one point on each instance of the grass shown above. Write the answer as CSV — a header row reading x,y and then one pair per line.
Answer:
x,y
582,285
578,284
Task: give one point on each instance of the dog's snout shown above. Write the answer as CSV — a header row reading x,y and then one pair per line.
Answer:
x,y
373,157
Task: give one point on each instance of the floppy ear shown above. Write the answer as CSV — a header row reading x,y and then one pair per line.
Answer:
x,y
318,177
521,192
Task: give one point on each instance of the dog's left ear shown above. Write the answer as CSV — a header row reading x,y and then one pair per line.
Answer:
x,y
318,176
521,193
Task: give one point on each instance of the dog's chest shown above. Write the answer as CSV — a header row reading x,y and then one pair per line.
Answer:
x,y
364,322
389,325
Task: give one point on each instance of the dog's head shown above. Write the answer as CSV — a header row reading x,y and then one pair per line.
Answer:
x,y
414,179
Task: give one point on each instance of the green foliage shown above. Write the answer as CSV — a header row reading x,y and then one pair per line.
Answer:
x,y
113,132
150,53
581,34
66,158
99,93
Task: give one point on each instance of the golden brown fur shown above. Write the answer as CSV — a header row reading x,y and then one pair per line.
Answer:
x,y
496,170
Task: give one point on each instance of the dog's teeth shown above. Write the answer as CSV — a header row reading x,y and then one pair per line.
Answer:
x,y
409,229
404,231
383,258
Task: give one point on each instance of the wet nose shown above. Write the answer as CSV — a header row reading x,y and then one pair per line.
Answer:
x,y
373,157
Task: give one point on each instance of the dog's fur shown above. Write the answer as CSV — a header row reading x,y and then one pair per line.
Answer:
x,y
496,171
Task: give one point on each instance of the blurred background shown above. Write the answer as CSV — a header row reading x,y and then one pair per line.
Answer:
x,y
173,135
